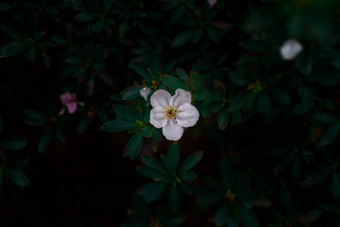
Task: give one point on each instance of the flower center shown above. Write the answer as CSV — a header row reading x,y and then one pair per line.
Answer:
x,y
170,112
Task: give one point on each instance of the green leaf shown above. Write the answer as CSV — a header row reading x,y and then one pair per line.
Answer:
x,y
12,49
309,216
17,176
296,169
171,161
330,134
13,144
255,46
182,38
264,105
117,125
4,6
147,131
84,124
182,74
152,162
223,118
209,198
132,92
236,103
248,100
152,191
133,147
336,186
198,32
221,215
141,70
1,123
191,161
196,81
123,28
129,113
239,76
177,14
324,118
84,17
173,82
188,176
248,217
45,140
213,34
174,198
284,163
280,96
75,61
34,114
307,100
149,172
31,53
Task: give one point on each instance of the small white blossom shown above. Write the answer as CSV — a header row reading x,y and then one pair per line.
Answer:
x,y
172,113
290,49
144,92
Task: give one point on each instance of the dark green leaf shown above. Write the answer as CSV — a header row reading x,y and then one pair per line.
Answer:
x,y
248,100
133,147
123,28
34,114
309,216
336,185
84,17
307,100
177,14
281,96
147,131
285,196
255,46
45,140
141,70
173,82
75,61
284,163
213,34
171,161
264,105
296,169
223,118
174,198
17,176
330,134
152,191
31,53
151,162
129,113
12,49
149,172
117,126
1,123
236,103
182,74
239,76
84,124
221,215
4,6
188,176
324,118
191,161
182,38
247,217
196,81
198,32
13,144
132,92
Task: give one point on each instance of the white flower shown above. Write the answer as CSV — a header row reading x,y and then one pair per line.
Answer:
x,y
172,113
144,92
290,49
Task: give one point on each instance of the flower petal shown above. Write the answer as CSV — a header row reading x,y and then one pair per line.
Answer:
x,y
180,98
71,107
160,98
66,98
158,117
172,131
144,92
187,115
290,49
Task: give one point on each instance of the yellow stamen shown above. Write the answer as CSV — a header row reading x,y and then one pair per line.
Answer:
x,y
170,112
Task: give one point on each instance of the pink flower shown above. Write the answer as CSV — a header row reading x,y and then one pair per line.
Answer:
x,y
70,101
144,92
212,3
172,113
